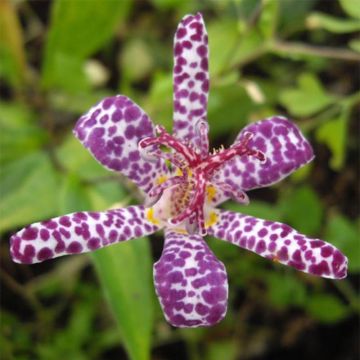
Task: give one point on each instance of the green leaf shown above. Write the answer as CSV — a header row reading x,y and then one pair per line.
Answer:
x,y
219,49
28,191
351,7
308,98
319,20
229,107
355,45
326,308
12,54
158,103
225,349
268,18
333,134
345,235
124,271
78,29
285,289
125,274
293,14
303,210
257,209
19,133
249,46
136,59
77,159
73,195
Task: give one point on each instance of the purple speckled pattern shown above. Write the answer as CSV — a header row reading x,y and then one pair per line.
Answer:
x,y
111,131
191,78
190,282
281,243
284,147
78,233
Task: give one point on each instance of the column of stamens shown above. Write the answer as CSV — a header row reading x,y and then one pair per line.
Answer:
x,y
196,202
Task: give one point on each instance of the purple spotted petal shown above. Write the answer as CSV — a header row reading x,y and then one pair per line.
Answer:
x,y
285,149
191,78
281,243
78,233
190,281
111,130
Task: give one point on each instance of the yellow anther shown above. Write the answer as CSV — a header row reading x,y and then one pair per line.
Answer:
x,y
161,179
212,219
149,214
178,172
180,231
210,192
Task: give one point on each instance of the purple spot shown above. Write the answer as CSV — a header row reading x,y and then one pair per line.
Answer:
x,y
65,221
132,113
29,233
44,254
93,243
74,248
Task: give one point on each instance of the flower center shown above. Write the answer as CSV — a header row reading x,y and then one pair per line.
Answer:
x,y
182,197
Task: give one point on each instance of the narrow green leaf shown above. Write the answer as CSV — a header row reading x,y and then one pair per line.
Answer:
x,y
12,54
124,271
268,18
28,191
125,274
333,134
332,24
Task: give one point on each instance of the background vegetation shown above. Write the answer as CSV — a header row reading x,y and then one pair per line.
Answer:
x,y
58,58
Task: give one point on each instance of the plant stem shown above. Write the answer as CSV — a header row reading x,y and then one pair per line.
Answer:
x,y
311,50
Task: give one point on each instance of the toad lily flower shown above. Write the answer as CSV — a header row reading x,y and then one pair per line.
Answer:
x,y
183,184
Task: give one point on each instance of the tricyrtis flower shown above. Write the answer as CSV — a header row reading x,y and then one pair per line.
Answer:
x,y
183,184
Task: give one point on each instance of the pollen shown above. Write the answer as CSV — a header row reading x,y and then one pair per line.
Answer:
x,y
210,192
212,219
149,214
178,172
161,179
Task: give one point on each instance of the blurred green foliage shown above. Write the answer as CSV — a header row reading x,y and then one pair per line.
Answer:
x,y
288,56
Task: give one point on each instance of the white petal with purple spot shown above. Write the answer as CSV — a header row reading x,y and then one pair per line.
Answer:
x,y
284,147
111,130
190,281
191,80
78,233
281,243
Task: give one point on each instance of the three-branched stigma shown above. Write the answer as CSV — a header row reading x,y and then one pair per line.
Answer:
x,y
184,199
